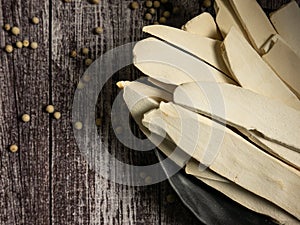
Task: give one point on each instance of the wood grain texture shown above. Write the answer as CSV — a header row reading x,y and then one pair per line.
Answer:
x,y
49,181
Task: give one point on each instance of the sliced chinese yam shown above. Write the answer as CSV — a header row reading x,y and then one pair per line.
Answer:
x,y
252,72
141,98
167,64
285,154
226,18
203,25
286,22
195,168
285,62
167,87
206,49
254,21
229,156
251,201
243,109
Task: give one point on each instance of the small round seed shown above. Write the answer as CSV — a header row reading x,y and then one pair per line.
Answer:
x,y
73,54
163,1
35,20
119,130
98,122
26,43
148,16
34,45
15,31
6,27
162,20
134,5
152,11
149,4
156,23
176,10
166,14
87,78
171,198
88,62
57,115
156,4
9,48
95,2
19,44
143,175
67,1
85,51
206,3
13,148
25,118
148,180
50,109
98,30
80,85
78,125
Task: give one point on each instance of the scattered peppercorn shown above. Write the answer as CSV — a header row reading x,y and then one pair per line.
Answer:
x,y
15,31
67,1
25,118
88,62
134,5
119,130
152,11
78,125
13,148
149,4
87,78
57,115
9,48
34,45
26,43
95,2
50,109
206,3
98,122
163,1
98,30
35,20
80,85
73,54
6,27
85,51
148,180
148,16
166,14
170,198
162,20
19,44
176,10
143,175
156,23
156,4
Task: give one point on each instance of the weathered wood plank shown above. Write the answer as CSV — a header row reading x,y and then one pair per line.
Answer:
x,y
24,88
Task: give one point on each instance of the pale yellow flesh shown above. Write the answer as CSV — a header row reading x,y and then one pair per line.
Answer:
x,y
226,18
255,22
286,22
252,72
167,87
263,175
203,25
286,63
251,201
170,65
243,109
204,48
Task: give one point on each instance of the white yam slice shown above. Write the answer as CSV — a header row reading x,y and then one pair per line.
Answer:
x,y
254,21
203,25
167,87
206,49
243,109
252,72
286,22
170,65
251,201
236,159
285,62
226,18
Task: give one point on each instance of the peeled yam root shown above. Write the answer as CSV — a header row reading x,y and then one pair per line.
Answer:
x,y
229,108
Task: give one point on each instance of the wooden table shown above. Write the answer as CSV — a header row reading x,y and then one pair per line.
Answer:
x,y
48,181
